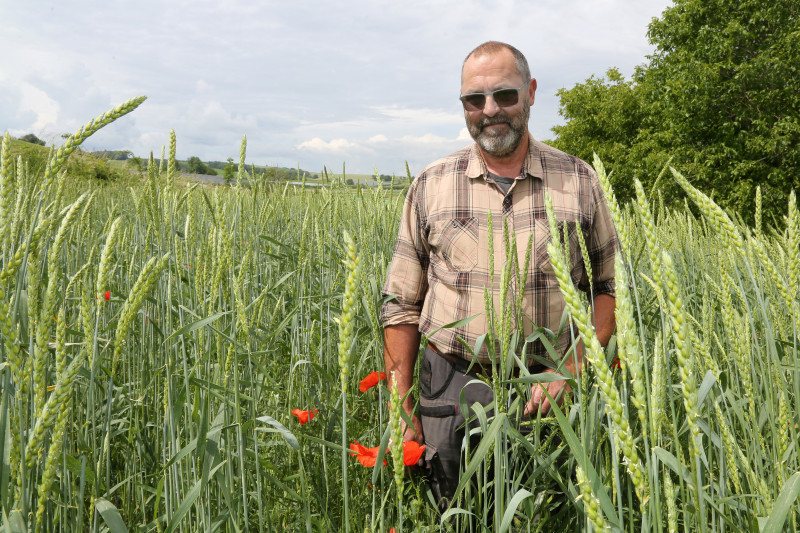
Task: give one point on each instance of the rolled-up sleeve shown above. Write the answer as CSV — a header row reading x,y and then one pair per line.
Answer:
x,y
406,281
603,243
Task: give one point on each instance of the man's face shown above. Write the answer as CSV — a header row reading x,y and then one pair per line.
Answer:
x,y
497,130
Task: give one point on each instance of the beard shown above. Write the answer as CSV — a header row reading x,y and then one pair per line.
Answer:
x,y
500,144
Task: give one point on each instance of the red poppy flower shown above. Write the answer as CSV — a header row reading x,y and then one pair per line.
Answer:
x,y
412,451
304,416
107,295
371,380
366,456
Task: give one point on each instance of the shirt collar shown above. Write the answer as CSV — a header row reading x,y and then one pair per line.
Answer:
x,y
476,168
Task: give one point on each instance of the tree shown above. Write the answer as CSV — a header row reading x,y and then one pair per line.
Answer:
x,y
229,171
603,116
137,163
195,166
33,139
718,96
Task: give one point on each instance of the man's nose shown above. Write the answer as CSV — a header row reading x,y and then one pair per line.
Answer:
x,y
490,108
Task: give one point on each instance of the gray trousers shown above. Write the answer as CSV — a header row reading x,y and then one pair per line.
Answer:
x,y
441,385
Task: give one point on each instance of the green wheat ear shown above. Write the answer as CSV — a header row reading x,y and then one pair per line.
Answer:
x,y
86,131
7,189
590,504
758,210
793,245
613,205
242,153
170,177
713,213
594,353
352,263
395,418
144,285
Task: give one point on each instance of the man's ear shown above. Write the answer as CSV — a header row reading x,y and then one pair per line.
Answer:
x,y
531,90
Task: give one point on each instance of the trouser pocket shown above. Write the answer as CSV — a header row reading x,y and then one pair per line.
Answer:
x,y
443,423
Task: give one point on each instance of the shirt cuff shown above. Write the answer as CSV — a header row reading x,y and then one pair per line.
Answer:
x,y
605,287
394,313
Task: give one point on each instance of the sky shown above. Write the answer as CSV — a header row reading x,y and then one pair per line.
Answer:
x,y
368,84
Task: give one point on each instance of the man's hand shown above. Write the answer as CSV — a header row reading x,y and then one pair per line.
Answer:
x,y
412,432
539,399
604,323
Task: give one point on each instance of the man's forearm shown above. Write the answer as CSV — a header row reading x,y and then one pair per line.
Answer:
x,y
604,327
603,316
401,345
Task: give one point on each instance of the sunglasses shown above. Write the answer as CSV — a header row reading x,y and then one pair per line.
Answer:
x,y
501,97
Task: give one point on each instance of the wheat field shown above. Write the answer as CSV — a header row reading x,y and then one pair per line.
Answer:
x,y
188,358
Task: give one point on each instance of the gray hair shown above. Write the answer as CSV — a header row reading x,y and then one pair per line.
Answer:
x,y
493,47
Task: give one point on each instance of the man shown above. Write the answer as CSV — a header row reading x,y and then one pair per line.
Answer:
x,y
441,264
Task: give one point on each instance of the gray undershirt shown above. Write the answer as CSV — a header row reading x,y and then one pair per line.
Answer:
x,y
503,182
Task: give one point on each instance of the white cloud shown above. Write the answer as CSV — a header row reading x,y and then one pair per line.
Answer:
x,y
335,146
35,100
202,86
428,138
422,115
301,84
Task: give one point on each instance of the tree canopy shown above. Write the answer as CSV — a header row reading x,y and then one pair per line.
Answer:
x,y
229,171
718,98
31,138
195,166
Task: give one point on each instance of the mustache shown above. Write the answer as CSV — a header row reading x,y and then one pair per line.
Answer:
x,y
488,121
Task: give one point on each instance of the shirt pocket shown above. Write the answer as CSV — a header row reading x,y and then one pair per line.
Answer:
x,y
455,242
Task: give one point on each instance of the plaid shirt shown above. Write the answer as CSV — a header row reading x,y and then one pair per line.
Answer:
x,y
441,266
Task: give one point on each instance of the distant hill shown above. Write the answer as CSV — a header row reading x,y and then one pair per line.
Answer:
x,y
80,164
194,165
114,155
108,164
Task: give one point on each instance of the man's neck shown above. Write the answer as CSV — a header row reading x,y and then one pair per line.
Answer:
x,y
510,165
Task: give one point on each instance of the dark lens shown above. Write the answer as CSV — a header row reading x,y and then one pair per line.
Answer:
x,y
506,97
473,102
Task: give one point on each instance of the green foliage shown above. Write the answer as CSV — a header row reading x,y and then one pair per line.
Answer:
x,y
84,165
80,165
718,96
287,174
602,115
33,139
103,171
137,163
115,155
229,171
195,166
33,155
